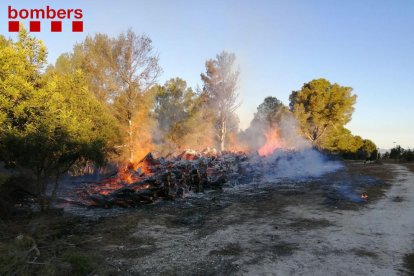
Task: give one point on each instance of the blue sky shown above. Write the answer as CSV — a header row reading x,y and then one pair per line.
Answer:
x,y
368,45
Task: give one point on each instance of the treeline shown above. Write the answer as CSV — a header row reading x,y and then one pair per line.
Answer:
x,y
399,153
101,102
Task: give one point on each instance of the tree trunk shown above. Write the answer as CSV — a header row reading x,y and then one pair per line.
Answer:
x,y
55,188
42,186
223,133
130,146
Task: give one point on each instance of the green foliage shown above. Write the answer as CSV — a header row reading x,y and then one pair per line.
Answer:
x,y
320,105
270,112
93,56
174,107
48,121
340,140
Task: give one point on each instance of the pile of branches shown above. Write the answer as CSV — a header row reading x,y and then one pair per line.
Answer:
x,y
167,179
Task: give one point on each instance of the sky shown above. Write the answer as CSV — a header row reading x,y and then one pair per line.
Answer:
x,y
280,45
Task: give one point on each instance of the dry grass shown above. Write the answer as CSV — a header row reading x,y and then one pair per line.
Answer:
x,y
48,244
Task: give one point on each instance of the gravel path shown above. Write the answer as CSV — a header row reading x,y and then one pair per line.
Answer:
x,y
279,231
370,241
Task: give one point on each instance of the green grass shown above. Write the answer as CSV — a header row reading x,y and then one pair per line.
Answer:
x,y
81,263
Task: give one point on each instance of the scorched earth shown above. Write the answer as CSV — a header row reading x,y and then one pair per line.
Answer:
x,y
309,226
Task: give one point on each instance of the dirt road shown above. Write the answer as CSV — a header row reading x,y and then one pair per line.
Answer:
x,y
372,240
294,229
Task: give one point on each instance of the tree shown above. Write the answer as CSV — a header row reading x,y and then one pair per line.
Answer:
x,y
320,105
399,153
220,89
408,155
120,72
368,150
136,68
174,106
94,57
270,112
341,141
396,152
269,116
49,122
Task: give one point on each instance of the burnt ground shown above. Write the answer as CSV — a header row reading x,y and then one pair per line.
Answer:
x,y
309,227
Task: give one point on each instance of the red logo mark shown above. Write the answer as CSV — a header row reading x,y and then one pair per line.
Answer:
x,y
35,26
14,26
56,26
77,26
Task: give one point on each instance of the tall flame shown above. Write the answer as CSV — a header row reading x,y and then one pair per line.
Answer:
x,y
273,142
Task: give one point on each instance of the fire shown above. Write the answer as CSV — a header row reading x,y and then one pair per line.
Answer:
x,y
126,175
132,172
273,142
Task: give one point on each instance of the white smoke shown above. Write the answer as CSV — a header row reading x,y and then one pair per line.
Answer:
x,y
289,133
298,164
299,159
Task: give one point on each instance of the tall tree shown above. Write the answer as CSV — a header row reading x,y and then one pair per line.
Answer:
x,y
220,87
320,105
136,68
119,72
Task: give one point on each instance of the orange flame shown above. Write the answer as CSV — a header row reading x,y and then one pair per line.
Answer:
x,y
273,142
125,174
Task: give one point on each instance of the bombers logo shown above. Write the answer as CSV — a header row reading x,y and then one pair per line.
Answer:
x,y
55,17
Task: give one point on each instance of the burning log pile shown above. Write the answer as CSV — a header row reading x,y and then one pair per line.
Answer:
x,y
154,179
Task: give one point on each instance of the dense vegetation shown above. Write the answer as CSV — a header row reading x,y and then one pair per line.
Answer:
x,y
101,102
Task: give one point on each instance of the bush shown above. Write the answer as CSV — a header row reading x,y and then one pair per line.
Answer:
x,y
81,263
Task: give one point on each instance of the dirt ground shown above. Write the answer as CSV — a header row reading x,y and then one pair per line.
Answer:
x,y
309,227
